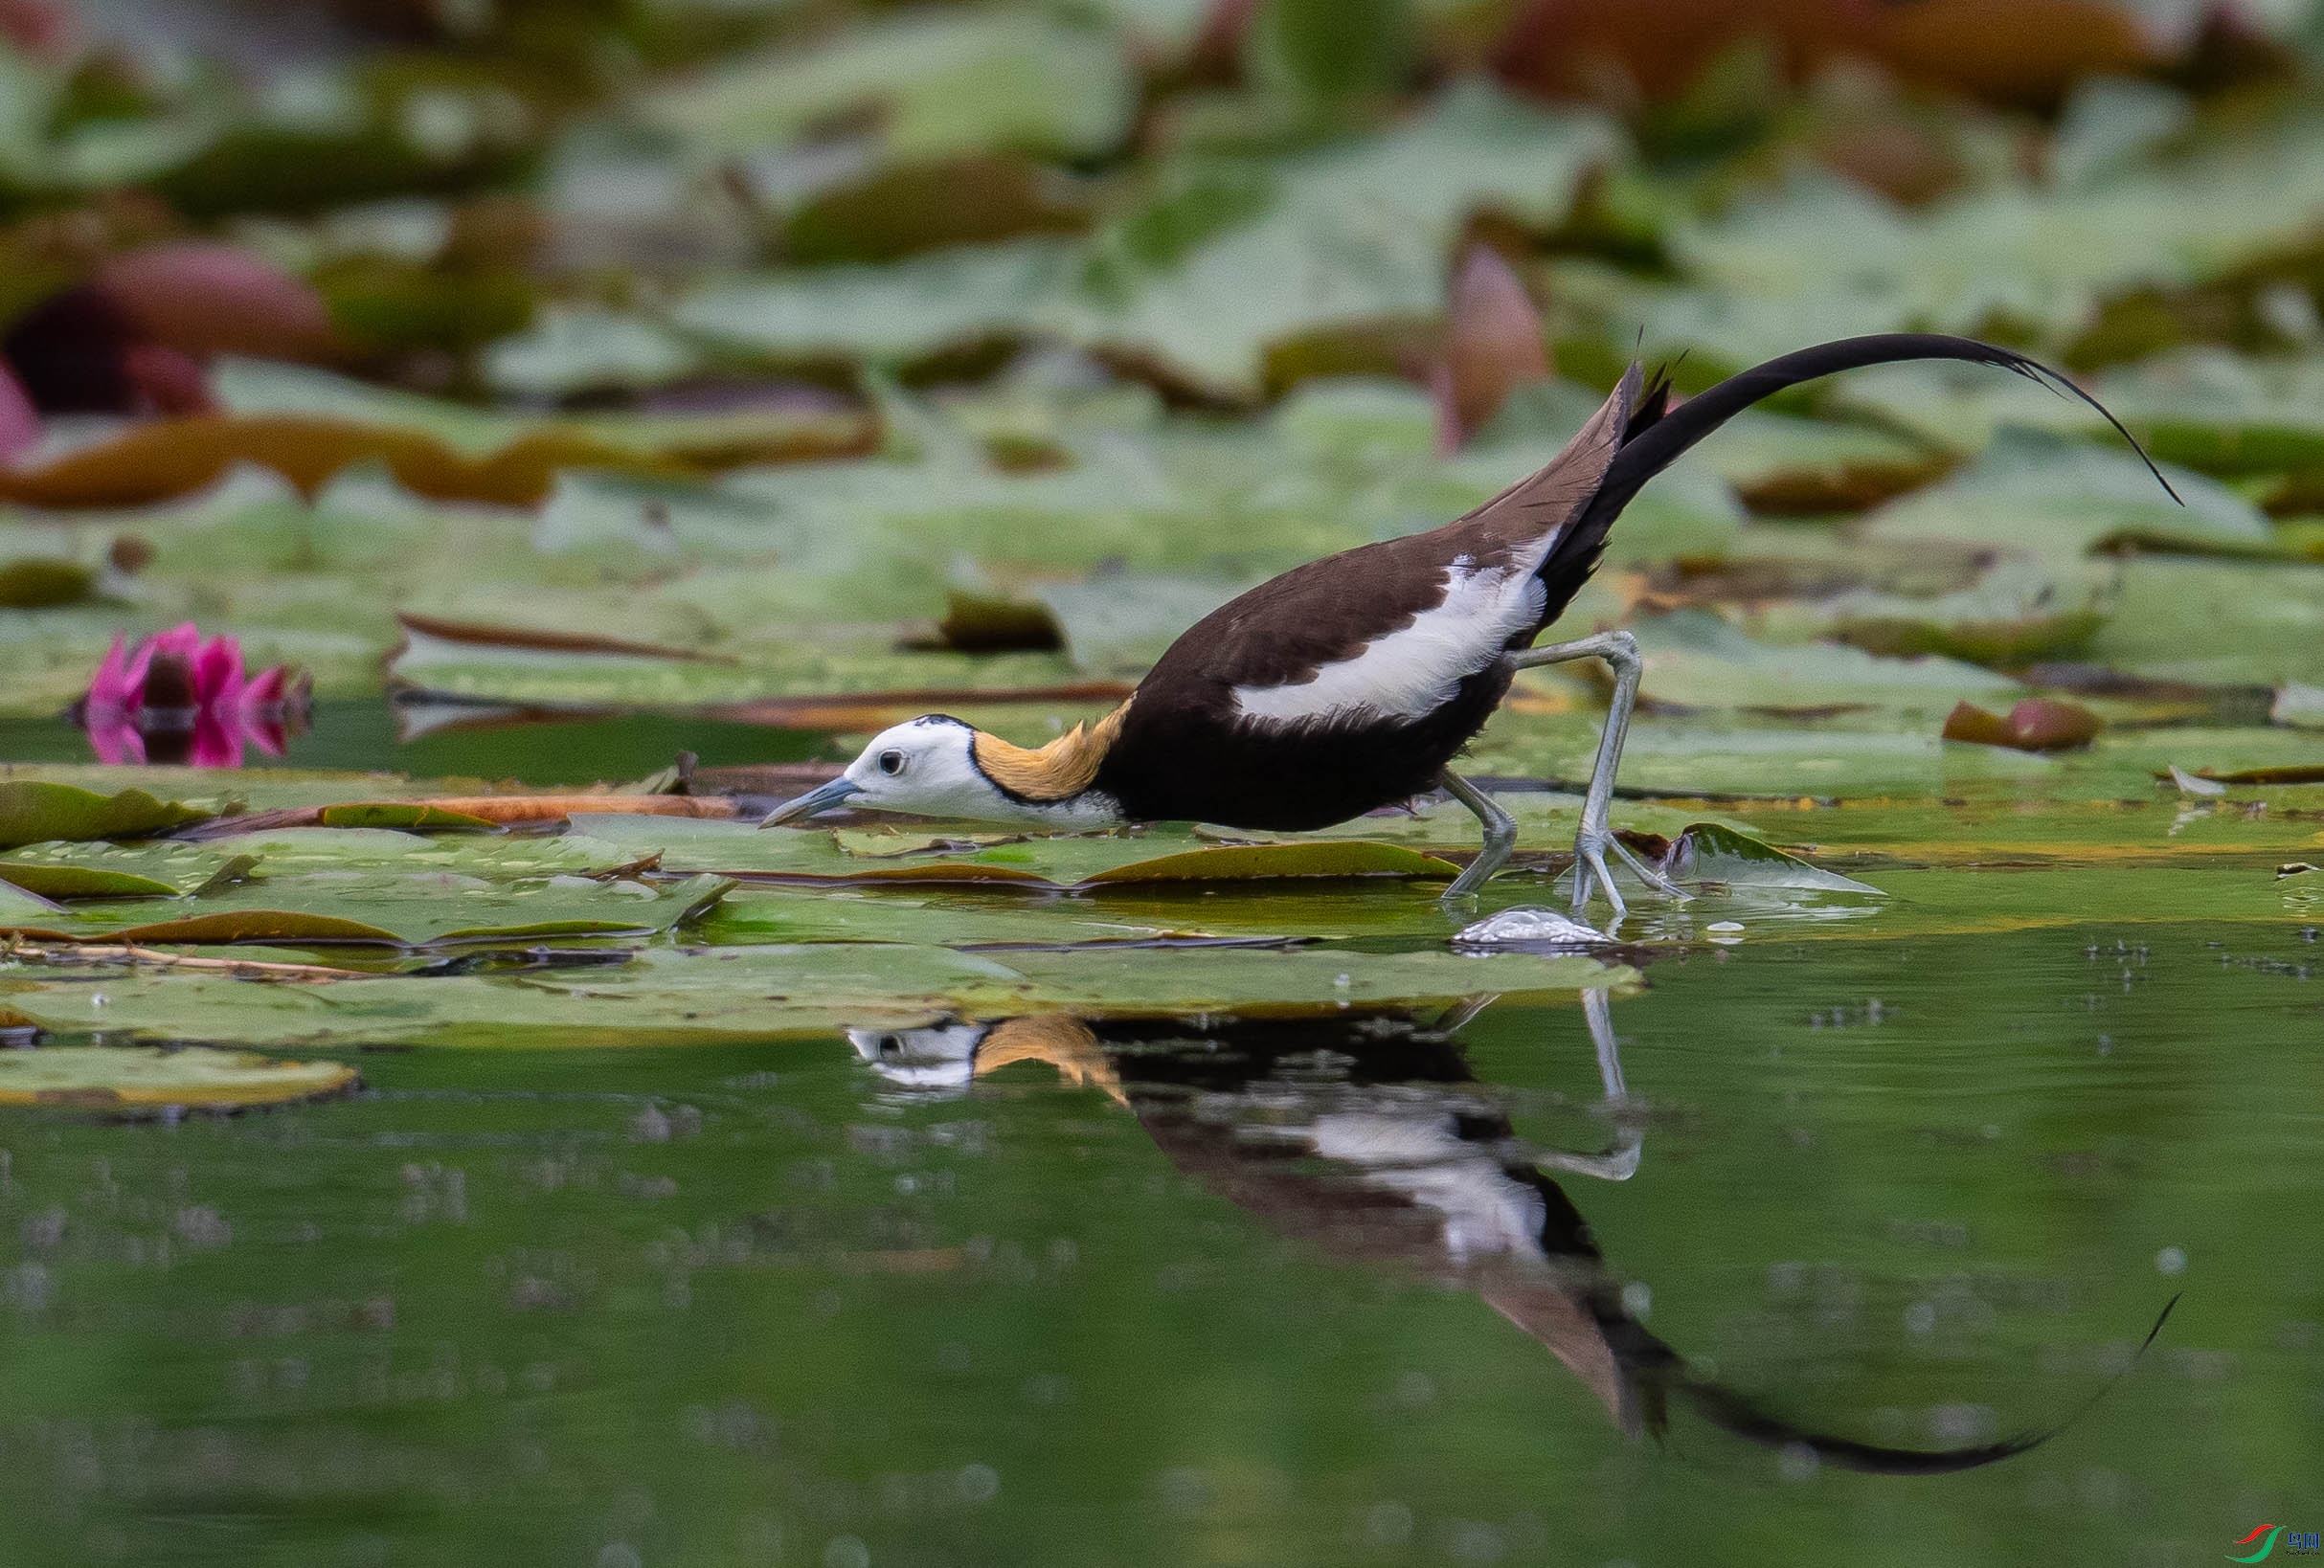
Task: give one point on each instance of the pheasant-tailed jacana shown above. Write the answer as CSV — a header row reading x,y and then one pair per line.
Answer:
x,y
1351,682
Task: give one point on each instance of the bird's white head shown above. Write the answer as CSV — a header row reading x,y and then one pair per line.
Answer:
x,y
927,767
938,766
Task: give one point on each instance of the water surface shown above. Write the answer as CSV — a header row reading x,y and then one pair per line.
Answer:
x,y
1207,1290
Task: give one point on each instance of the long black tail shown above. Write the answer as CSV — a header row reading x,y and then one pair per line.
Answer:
x,y
1727,1410
1655,442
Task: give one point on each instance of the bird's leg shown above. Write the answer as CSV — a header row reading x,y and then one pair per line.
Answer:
x,y
1620,651
1620,1162
1500,835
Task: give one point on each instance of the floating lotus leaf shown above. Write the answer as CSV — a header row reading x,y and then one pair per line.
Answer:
x,y
32,809
779,990
1072,861
403,909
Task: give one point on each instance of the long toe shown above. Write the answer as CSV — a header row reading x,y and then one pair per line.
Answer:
x,y
1590,861
1648,875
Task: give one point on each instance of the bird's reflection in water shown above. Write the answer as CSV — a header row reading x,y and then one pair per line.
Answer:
x,y
1365,1133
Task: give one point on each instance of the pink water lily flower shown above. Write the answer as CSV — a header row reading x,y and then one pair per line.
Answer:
x,y
178,697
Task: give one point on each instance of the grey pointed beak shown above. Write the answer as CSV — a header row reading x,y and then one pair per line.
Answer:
x,y
822,798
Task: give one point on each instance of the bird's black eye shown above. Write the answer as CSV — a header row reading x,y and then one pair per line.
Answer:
x,y
892,762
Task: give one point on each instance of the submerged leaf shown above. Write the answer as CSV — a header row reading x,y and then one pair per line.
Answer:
x,y
103,1077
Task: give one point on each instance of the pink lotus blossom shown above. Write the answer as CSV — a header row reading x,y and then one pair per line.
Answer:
x,y
178,697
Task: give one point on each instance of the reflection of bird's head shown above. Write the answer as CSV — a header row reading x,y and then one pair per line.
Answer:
x,y
947,1058
937,766
940,1060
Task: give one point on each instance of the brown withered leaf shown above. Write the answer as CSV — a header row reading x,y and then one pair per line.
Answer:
x,y
176,456
868,711
1598,48
2027,54
1842,491
542,639
2038,723
203,297
911,208
986,623
172,457
1492,346
1994,645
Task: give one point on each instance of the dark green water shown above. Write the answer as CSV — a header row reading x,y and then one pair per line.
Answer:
x,y
764,1305
362,735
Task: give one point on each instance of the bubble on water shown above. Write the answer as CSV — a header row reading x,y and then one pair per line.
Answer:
x,y
1185,1490
1797,1463
1960,1423
2171,1261
846,1552
649,1125
1724,926
1529,927
1476,1541
1416,1389
977,1483
619,1555
1388,1524
1637,1299
1921,1317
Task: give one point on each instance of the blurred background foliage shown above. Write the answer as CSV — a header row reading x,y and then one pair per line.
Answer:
x,y
873,346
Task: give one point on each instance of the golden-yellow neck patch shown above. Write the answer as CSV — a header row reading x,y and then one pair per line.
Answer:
x,y
1060,1040
1059,771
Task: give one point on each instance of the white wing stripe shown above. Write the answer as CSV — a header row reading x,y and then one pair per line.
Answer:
x,y
1408,674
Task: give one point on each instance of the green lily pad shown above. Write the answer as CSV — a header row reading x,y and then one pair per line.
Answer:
x,y
940,83
103,1077
781,991
761,916
1049,863
1710,852
32,809
1695,660
2057,497
57,882
404,909
167,868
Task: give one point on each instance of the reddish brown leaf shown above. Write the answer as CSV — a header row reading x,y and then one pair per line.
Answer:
x,y
1492,346
19,420
177,457
1602,49
877,710
483,635
210,299
2027,53
2038,723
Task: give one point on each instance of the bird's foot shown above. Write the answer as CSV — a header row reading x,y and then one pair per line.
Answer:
x,y
1590,865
